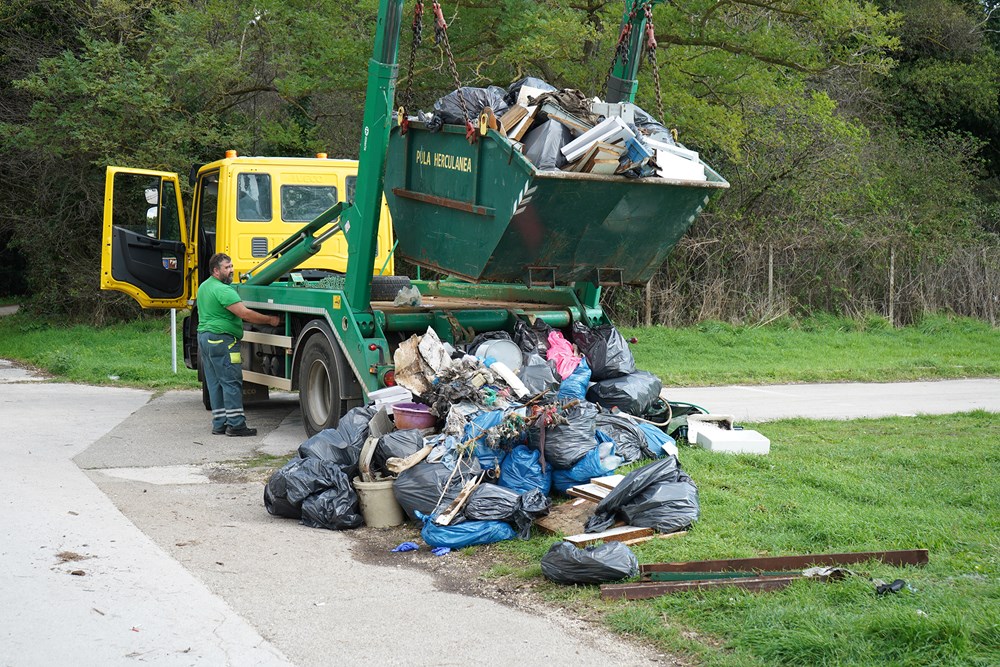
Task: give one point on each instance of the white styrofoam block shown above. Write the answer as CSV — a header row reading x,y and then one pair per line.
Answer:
x,y
741,441
694,422
678,168
387,396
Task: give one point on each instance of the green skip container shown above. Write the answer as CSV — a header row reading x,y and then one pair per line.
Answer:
x,y
483,212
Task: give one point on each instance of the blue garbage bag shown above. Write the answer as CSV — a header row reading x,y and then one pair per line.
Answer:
x,y
521,471
587,468
658,443
575,386
465,534
476,428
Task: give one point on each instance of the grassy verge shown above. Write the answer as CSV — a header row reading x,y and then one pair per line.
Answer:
x,y
136,354
818,349
867,485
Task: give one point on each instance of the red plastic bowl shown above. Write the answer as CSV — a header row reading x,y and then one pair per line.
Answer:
x,y
412,415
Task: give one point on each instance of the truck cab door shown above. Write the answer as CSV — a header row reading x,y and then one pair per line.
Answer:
x,y
145,247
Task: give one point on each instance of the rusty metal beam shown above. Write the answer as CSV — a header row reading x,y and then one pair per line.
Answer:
x,y
904,557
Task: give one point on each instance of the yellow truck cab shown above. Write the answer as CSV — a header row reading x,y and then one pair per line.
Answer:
x,y
242,206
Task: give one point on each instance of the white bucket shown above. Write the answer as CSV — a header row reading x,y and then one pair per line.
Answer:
x,y
378,505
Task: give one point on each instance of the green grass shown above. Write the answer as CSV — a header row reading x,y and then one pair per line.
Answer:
x,y
867,485
136,354
818,349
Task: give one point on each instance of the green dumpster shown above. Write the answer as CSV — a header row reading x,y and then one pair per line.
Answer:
x,y
483,212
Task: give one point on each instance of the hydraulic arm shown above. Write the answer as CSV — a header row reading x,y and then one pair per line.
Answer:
x,y
623,80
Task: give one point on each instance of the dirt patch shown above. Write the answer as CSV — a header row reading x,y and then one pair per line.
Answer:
x,y
68,556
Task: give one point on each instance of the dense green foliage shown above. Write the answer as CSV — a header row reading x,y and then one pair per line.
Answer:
x,y
850,131
829,487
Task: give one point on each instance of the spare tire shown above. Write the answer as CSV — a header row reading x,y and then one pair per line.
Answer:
x,y
385,288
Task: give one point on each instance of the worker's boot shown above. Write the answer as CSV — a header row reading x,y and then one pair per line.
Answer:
x,y
240,431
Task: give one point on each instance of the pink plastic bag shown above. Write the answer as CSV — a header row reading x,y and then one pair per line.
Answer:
x,y
561,352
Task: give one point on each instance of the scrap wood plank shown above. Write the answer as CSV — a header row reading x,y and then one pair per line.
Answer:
x,y
902,557
588,491
608,481
450,512
567,518
650,589
397,465
619,534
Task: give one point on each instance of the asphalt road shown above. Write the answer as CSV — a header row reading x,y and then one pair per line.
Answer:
x,y
177,562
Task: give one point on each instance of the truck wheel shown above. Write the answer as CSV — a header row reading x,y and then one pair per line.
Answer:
x,y
385,288
319,385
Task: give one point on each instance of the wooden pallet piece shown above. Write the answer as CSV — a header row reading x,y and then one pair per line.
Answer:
x,y
902,557
608,481
588,491
619,534
568,518
450,512
651,589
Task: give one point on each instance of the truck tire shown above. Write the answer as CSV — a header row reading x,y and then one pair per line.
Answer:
x,y
320,396
385,288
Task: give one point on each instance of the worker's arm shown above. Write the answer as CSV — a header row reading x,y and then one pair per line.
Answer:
x,y
252,316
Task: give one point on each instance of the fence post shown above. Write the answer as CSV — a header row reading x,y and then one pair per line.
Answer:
x,y
892,286
649,303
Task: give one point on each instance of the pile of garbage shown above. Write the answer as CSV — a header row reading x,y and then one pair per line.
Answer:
x,y
483,434
565,130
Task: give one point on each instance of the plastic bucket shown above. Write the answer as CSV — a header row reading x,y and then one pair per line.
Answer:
x,y
378,504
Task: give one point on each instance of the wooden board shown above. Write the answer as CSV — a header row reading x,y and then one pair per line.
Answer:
x,y
608,481
651,589
619,534
567,518
588,491
905,557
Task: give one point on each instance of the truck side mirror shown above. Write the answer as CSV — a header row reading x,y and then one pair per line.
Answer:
x,y
193,174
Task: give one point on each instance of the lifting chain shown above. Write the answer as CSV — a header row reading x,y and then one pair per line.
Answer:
x,y
441,38
418,36
621,48
651,50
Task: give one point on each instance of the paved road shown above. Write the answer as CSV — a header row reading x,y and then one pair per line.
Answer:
x,y
181,564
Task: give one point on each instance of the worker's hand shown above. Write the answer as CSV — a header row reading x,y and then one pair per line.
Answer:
x,y
274,321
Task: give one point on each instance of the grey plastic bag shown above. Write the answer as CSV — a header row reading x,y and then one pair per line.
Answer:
x,y
343,442
566,563
419,488
565,444
634,394
538,375
449,109
336,508
659,495
276,500
606,351
630,441
542,145
490,502
398,444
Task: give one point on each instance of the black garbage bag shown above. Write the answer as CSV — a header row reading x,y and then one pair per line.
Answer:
x,y
335,508
565,444
630,441
419,488
449,109
309,477
276,500
606,351
343,442
514,89
542,146
538,375
634,394
490,502
566,563
398,444
659,496
531,338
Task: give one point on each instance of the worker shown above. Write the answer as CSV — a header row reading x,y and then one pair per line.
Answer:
x,y
221,314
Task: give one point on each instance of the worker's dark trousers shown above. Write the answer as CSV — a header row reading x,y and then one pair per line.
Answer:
x,y
219,355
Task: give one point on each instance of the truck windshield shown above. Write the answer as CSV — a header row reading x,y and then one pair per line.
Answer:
x,y
302,203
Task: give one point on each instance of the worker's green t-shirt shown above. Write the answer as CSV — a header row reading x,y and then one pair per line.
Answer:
x,y
213,298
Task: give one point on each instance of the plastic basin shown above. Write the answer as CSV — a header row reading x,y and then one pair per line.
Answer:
x,y
412,415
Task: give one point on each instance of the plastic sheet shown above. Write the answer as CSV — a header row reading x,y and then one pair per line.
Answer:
x,y
336,508
397,444
630,440
514,89
419,488
567,564
539,375
575,386
659,495
449,110
565,444
521,471
605,350
465,534
634,394
542,146
561,352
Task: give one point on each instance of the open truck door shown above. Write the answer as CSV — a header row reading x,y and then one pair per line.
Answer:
x,y
145,251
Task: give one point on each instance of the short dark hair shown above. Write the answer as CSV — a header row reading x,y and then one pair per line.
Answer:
x,y
216,261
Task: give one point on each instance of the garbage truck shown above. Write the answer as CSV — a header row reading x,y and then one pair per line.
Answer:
x,y
505,239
